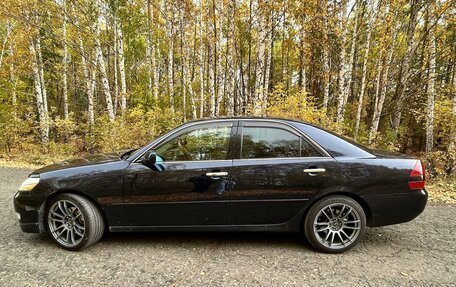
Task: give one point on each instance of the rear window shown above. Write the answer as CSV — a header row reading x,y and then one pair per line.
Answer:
x,y
334,144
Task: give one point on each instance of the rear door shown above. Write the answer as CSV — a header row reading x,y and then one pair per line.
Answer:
x,y
276,170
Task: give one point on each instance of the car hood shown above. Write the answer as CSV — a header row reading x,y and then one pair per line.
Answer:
x,y
79,162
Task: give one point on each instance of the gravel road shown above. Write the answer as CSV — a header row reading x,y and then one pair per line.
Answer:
x,y
418,253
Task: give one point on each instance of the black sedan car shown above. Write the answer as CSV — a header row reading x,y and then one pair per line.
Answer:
x,y
234,174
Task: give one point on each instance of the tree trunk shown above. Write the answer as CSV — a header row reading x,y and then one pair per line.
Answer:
x,y
13,81
248,79
151,53
102,68
184,71
231,67
116,61
41,75
326,63
201,60
405,65
169,32
9,30
65,62
370,25
191,72
211,61
42,112
351,57
216,59
123,82
89,76
260,65
302,56
268,62
343,26
430,84
452,145
382,88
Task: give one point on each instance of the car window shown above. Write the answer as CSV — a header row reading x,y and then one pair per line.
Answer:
x,y
201,144
334,144
307,150
265,142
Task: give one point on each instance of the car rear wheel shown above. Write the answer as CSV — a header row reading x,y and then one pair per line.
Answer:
x,y
74,222
335,224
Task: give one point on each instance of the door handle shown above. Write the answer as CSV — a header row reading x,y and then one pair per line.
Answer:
x,y
314,171
216,173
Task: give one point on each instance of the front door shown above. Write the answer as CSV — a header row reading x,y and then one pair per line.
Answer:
x,y
275,173
188,184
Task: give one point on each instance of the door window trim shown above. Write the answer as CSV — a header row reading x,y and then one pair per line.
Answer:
x,y
236,127
232,124
282,158
279,125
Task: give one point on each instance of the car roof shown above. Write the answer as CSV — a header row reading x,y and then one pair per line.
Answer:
x,y
240,118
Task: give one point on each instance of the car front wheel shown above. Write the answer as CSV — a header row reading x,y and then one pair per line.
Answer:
x,y
73,221
335,224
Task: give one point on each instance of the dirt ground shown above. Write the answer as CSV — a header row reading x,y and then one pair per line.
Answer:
x,y
418,253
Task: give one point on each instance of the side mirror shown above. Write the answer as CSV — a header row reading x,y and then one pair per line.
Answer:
x,y
150,157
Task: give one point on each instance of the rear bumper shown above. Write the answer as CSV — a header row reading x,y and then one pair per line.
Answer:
x,y
387,209
29,211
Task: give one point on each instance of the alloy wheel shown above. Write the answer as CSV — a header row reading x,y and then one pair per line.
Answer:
x,y
66,223
337,225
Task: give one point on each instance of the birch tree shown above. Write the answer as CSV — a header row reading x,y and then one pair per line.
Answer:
x,y
261,62
351,58
8,31
370,23
123,82
89,74
382,84
343,27
116,60
102,66
40,99
326,60
201,59
65,62
40,64
404,71
170,68
430,84
230,67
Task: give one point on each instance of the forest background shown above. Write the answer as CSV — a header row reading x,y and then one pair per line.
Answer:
x,y
89,76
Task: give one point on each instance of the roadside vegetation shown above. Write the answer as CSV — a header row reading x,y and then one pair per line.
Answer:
x,y
79,77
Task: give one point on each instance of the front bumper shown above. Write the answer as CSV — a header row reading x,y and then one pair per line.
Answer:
x,y
387,209
30,212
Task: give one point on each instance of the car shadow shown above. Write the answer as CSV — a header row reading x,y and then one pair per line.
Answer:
x,y
195,239
374,238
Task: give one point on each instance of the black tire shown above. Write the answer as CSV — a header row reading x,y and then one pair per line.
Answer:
x,y
80,227
335,224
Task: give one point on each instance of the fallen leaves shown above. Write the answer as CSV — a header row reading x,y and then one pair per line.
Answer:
x,y
443,190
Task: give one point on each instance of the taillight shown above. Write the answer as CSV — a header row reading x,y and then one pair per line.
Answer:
x,y
417,176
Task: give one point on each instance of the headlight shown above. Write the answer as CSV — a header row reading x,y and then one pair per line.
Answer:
x,y
29,184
